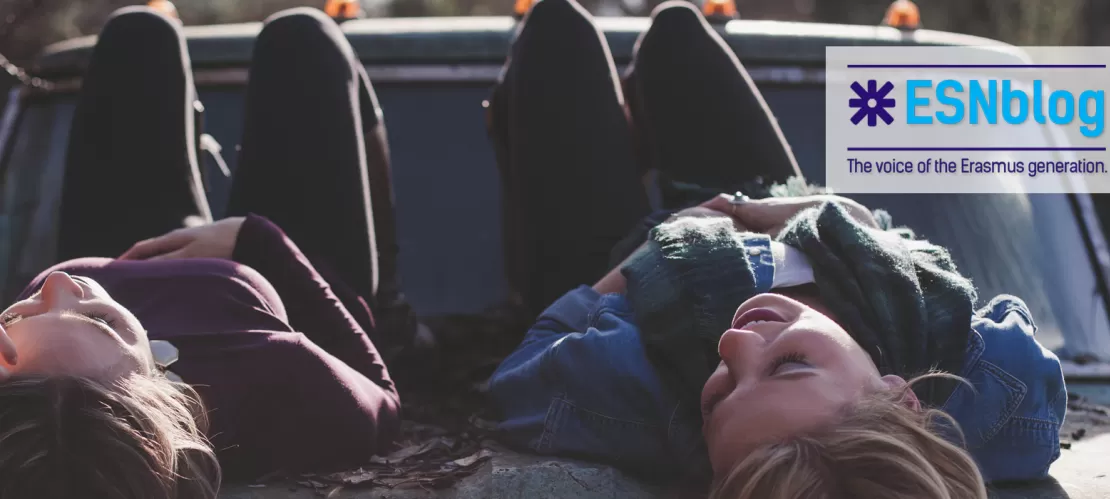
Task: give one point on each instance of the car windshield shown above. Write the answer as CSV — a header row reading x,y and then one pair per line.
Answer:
x,y
1029,246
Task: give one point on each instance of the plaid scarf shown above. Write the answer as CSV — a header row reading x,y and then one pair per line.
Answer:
x,y
901,299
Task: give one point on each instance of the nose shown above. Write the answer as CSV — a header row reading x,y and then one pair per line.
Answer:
x,y
739,349
59,290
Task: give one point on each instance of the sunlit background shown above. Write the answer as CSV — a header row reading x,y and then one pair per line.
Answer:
x,y
28,25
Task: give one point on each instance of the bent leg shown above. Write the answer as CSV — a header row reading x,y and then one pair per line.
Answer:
x,y
131,163
302,162
571,185
700,115
392,311
312,126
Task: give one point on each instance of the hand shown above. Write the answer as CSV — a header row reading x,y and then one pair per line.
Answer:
x,y
770,215
710,209
699,211
214,240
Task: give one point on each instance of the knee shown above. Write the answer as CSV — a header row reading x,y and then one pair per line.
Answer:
x,y
306,41
144,24
557,22
677,15
300,25
675,26
552,10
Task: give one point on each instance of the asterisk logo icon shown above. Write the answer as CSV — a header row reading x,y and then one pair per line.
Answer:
x,y
872,102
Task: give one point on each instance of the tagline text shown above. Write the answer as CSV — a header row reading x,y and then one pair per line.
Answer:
x,y
969,166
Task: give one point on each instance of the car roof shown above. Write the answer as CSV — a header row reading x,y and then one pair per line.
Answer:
x,y
438,40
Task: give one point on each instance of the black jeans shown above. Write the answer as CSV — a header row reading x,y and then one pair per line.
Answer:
x,y
571,161
131,163
303,157
700,118
571,185
312,154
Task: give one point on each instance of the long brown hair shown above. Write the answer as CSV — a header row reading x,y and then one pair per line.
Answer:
x,y
139,438
879,448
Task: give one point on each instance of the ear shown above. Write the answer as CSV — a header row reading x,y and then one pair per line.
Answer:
x,y
894,382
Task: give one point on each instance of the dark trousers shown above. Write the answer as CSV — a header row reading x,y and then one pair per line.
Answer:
x,y
572,154
131,164
312,153
571,185
699,117
303,160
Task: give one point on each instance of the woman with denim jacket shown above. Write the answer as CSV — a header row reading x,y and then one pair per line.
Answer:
x,y
775,343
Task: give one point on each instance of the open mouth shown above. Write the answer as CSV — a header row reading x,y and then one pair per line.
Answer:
x,y
757,316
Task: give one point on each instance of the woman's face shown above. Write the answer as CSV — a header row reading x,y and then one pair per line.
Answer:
x,y
71,326
785,368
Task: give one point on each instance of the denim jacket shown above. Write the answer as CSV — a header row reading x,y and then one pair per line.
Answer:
x,y
581,385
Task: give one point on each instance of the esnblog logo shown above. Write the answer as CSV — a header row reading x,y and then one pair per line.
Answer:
x,y
985,100
966,120
872,103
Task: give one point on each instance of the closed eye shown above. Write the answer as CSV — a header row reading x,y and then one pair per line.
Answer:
x,y
9,318
787,363
103,319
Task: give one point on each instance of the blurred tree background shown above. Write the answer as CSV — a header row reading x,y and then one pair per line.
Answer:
x,y
29,25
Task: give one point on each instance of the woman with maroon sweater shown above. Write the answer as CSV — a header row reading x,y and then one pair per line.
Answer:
x,y
129,377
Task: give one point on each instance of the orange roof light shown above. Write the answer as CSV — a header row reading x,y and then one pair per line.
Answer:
x,y
903,14
343,9
521,7
719,9
164,6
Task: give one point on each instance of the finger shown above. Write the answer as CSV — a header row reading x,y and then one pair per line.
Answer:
x,y
767,213
162,244
7,347
4,373
721,203
178,254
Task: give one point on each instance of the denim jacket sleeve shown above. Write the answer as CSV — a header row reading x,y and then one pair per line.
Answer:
x,y
580,385
1011,418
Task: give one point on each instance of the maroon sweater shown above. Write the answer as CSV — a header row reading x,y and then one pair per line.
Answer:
x,y
290,378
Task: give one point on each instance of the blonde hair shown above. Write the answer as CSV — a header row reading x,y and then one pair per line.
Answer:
x,y
139,438
880,447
